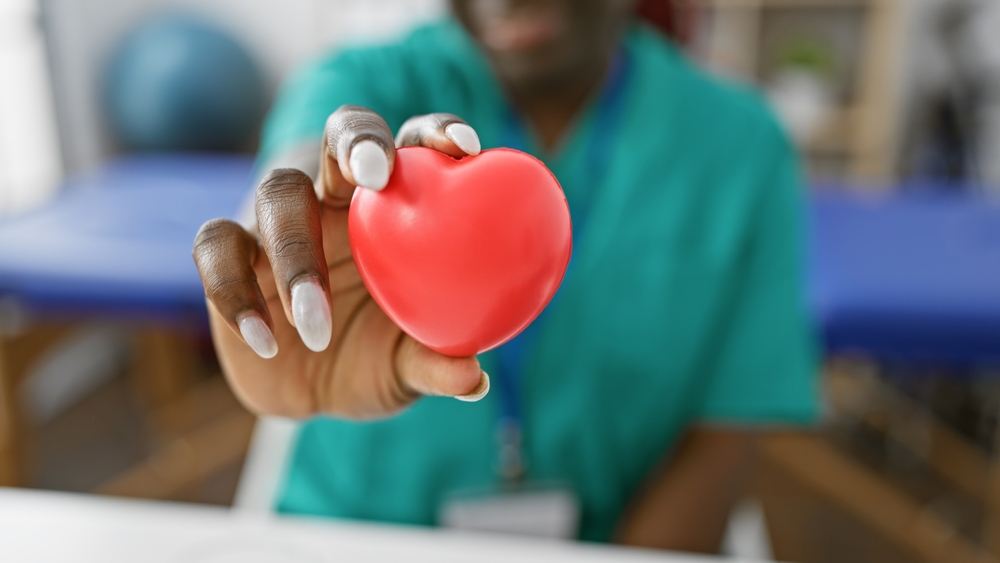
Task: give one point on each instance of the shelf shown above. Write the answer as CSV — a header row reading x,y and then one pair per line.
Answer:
x,y
836,136
740,39
796,4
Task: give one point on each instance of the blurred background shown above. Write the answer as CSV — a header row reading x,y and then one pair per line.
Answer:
x,y
124,124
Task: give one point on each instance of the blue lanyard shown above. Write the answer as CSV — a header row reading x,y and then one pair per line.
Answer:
x,y
511,356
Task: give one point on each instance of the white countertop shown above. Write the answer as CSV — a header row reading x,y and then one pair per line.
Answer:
x,y
43,527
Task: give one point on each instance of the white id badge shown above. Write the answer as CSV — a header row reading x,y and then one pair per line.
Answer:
x,y
544,510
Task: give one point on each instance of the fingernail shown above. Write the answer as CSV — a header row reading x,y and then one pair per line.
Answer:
x,y
479,392
465,137
311,311
369,165
258,336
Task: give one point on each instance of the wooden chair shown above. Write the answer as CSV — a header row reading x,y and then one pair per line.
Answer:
x,y
796,466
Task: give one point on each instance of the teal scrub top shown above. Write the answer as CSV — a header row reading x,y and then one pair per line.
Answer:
x,y
683,303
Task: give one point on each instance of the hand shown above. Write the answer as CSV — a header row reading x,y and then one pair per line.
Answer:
x,y
296,331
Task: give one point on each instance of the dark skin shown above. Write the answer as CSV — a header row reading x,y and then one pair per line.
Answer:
x,y
554,68
266,282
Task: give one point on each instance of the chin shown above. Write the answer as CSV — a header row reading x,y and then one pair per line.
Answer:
x,y
540,72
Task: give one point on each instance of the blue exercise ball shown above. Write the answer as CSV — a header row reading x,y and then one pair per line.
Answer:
x,y
179,83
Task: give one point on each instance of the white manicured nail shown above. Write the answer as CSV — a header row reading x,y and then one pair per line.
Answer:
x,y
258,336
479,392
369,165
311,311
465,137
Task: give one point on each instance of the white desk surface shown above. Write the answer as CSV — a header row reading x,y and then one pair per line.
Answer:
x,y
43,527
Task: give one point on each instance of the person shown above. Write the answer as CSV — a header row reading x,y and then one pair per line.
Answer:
x,y
678,332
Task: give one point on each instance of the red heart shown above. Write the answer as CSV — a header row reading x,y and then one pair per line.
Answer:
x,y
462,254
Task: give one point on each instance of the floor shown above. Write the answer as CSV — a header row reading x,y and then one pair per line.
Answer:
x,y
96,441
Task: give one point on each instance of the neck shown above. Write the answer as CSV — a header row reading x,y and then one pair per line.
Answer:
x,y
552,111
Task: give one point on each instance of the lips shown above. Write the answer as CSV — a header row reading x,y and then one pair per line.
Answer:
x,y
522,30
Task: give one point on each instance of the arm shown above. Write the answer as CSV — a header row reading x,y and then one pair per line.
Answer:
x,y
686,504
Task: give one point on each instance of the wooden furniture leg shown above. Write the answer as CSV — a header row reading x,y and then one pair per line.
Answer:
x,y
991,525
9,466
868,498
164,368
18,352
964,465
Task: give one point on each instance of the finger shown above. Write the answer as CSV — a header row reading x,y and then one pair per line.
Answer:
x,y
224,254
379,370
358,150
288,218
442,132
429,373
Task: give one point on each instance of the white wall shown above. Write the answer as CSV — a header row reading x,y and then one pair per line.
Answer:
x,y
29,150
279,33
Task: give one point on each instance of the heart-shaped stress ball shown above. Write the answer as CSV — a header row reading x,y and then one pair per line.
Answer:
x,y
462,254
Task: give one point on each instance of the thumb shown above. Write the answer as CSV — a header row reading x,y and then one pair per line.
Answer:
x,y
429,373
